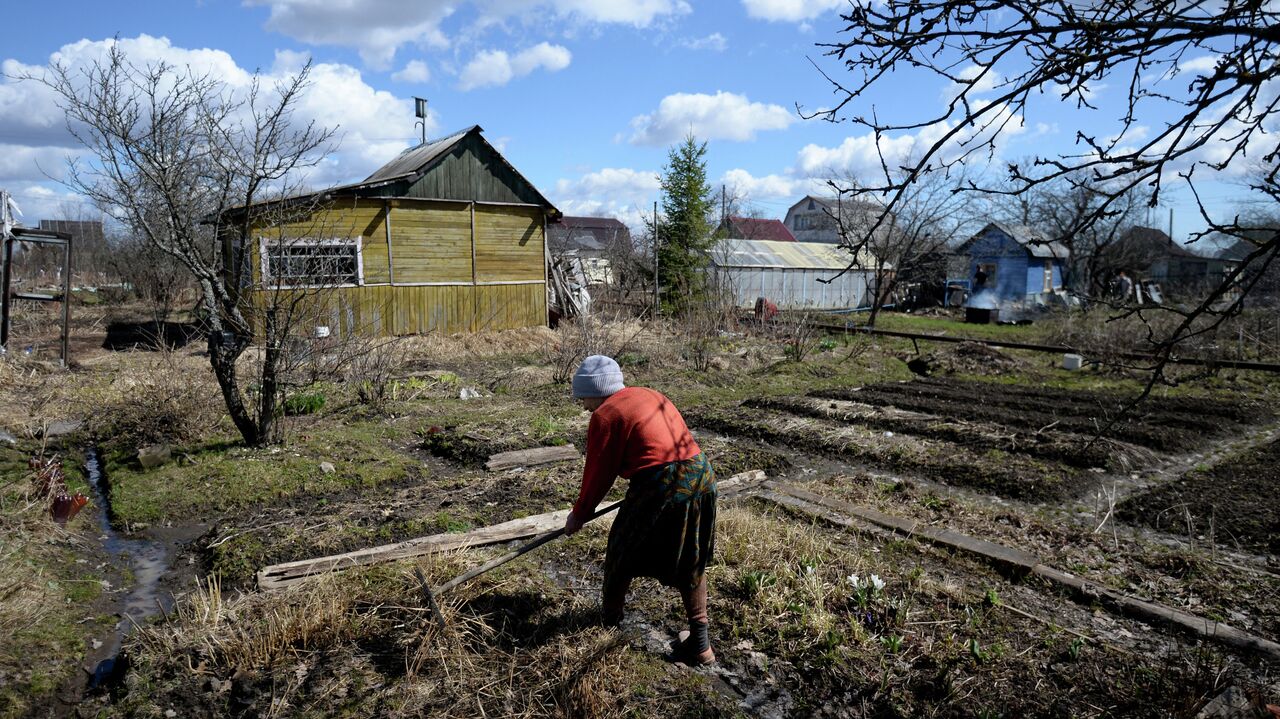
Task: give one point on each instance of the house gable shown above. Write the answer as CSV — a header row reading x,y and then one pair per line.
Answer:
x,y
463,167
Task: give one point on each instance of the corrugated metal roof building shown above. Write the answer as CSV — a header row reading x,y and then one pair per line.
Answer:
x,y
790,274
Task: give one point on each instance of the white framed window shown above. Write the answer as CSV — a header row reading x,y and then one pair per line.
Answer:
x,y
310,262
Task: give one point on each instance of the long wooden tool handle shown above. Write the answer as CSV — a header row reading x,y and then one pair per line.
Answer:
x,y
523,549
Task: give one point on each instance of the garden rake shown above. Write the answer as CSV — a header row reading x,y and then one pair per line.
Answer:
x,y
431,593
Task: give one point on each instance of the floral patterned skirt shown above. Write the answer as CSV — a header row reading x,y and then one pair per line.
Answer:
x,y
666,527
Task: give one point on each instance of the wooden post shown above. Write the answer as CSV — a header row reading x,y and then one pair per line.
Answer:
x,y
66,299
5,300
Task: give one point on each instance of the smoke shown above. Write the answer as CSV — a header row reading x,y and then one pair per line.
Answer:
x,y
983,300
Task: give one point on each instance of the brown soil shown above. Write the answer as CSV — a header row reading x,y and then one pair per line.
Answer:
x,y
1232,504
1052,446
977,404
1010,476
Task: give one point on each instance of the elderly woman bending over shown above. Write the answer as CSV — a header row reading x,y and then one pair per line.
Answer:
x,y
665,528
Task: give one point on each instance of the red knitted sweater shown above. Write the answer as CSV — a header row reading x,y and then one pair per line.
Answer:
x,y
635,429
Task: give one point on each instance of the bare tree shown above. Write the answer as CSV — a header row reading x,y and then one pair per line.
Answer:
x,y
193,167
997,55
909,244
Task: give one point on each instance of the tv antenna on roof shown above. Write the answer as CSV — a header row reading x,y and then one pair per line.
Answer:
x,y
420,110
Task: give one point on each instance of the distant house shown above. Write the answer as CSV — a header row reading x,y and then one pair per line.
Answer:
x,y
813,219
792,275
1020,263
588,244
446,237
1153,255
751,228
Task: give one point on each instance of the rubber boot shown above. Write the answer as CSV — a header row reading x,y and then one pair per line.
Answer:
x,y
694,647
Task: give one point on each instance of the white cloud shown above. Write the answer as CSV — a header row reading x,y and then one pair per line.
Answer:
x,y
789,10
416,71
374,125
754,188
861,154
639,13
41,202
613,192
715,41
492,68
1204,64
983,83
375,28
722,116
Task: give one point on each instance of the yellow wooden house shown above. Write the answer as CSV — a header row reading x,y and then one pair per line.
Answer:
x,y
447,237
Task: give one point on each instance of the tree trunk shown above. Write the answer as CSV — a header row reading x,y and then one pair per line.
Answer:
x,y
222,357
270,379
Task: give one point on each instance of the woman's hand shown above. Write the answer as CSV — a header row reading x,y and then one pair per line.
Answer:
x,y
572,524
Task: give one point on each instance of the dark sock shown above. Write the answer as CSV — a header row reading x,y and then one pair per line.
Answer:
x,y
698,640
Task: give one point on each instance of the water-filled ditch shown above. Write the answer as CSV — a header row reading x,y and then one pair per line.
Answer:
x,y
143,562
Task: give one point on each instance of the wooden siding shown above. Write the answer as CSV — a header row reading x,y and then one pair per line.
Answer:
x,y
431,242
473,170
509,244
393,310
1011,260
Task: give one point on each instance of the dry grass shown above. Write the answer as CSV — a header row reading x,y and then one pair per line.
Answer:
x,y
43,594
147,398
451,348
363,644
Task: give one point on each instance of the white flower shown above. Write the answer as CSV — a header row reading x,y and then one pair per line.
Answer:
x,y
877,582
855,580
808,570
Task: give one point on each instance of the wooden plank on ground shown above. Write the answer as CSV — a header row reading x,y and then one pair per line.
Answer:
x,y
531,457
279,576
847,515
1007,558
1150,612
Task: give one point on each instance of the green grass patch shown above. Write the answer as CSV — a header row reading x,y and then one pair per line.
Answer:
x,y
218,476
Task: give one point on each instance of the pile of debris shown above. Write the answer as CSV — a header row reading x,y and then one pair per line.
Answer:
x,y
968,357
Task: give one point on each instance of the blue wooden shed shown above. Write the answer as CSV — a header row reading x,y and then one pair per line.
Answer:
x,y
1020,263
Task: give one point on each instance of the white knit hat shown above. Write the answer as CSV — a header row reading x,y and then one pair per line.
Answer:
x,y
597,376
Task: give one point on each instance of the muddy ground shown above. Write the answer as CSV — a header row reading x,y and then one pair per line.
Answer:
x,y
1230,504
1005,453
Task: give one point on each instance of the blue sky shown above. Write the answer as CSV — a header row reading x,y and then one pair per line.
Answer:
x,y
583,96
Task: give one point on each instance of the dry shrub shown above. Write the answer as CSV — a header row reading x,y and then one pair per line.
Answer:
x,y
1250,335
702,328
152,398
370,369
577,339
796,333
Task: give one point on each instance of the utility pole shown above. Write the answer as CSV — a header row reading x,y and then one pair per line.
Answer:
x,y
655,258
724,206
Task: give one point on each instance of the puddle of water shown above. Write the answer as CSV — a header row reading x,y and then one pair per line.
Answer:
x,y
147,562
